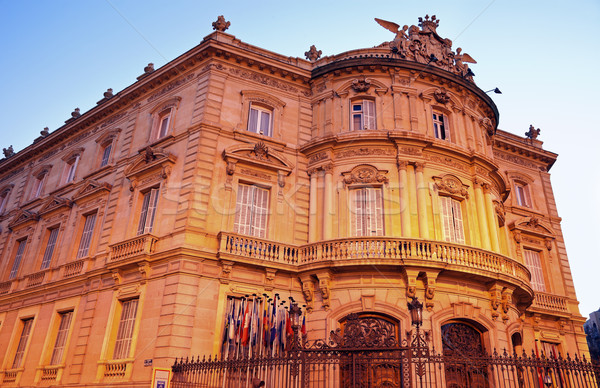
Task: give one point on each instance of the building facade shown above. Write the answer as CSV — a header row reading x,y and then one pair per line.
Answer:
x,y
351,182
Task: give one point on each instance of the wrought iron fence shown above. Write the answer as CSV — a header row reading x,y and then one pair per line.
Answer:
x,y
366,356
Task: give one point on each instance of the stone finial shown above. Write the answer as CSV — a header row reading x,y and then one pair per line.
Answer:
x,y
429,25
221,24
8,152
532,133
108,93
313,54
75,114
45,132
149,69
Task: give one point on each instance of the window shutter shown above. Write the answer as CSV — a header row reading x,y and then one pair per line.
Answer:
x,y
446,127
22,343
253,120
370,118
125,331
106,155
260,212
86,236
61,338
265,123
446,218
458,222
144,213
151,211
18,257
164,124
534,263
242,210
359,213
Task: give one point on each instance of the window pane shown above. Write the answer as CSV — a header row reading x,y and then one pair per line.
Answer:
x,y
357,122
49,248
105,155
18,258
125,331
61,338
20,353
452,220
265,123
253,121
252,208
164,126
369,113
368,212
86,236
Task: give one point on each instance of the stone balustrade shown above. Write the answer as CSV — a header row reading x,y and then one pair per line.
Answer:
x,y
5,287
374,250
550,302
139,245
74,268
35,279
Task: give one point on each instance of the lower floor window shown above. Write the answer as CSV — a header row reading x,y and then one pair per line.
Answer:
x,y
125,330
23,339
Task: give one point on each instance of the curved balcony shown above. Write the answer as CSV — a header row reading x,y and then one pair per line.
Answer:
x,y
358,251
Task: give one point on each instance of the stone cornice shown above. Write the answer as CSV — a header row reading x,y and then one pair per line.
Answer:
x,y
523,148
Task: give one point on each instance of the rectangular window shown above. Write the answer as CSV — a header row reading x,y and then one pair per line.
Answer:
x,y
452,220
440,126
251,212
148,212
38,185
61,338
49,248
71,167
4,199
367,217
164,125
20,353
533,261
125,331
106,155
259,120
18,257
363,115
86,236
549,349
522,194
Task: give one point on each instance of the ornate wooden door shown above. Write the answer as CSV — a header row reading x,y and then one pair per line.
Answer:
x,y
463,349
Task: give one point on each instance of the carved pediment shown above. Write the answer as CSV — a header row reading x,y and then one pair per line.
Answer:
x,y
22,218
452,186
258,155
149,160
533,226
92,187
53,203
365,174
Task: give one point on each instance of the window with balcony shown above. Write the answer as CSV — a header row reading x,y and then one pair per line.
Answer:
x,y
20,251
260,120
251,211
452,220
23,341
533,261
126,328
367,211
441,130
148,211
363,115
86,235
522,194
49,251
60,343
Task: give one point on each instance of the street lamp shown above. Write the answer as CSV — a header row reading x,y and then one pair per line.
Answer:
x,y
295,314
415,308
547,379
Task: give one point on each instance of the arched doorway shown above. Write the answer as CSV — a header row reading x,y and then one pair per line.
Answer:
x,y
373,356
463,352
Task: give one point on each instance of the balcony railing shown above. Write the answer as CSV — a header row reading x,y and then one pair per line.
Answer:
x,y
140,245
5,287
35,279
372,250
550,302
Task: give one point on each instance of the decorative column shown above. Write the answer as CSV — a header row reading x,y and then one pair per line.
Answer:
x,y
491,218
481,215
422,202
312,206
328,203
404,202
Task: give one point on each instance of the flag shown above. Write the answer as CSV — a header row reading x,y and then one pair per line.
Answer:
x,y
304,325
288,324
245,326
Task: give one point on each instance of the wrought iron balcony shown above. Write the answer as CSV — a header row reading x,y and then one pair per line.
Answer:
x,y
373,250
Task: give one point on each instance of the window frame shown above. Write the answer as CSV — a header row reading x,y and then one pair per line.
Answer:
x,y
444,132
165,110
86,235
368,120
522,194
533,260
62,334
17,257
50,246
260,109
375,207
104,156
125,326
22,346
252,211
451,230
38,184
149,203
4,198
70,169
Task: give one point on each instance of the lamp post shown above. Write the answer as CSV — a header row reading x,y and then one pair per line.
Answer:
x,y
419,349
415,308
295,314
547,378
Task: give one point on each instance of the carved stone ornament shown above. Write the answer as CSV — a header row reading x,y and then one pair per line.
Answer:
x,y
532,133
365,332
424,45
411,291
150,161
54,203
221,24
441,95
487,125
365,174
324,288
226,267
22,218
361,84
261,151
313,54
452,186
308,290
8,152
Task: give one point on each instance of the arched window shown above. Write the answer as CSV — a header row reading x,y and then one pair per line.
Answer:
x,y
462,341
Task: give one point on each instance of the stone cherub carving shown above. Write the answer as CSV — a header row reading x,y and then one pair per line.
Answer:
x,y
532,133
459,58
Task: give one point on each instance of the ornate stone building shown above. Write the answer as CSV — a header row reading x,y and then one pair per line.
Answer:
x,y
350,182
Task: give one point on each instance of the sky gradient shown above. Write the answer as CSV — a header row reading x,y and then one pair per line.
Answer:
x,y
543,55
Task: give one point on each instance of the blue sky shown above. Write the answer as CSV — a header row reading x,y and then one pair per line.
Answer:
x,y
543,55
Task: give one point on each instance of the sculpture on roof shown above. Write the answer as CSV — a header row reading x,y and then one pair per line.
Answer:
x,y
313,54
423,44
532,133
221,24
8,152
